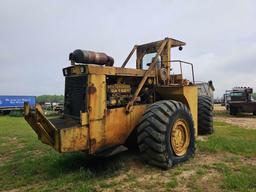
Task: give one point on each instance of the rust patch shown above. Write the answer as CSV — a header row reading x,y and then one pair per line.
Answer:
x,y
92,145
107,112
74,139
92,89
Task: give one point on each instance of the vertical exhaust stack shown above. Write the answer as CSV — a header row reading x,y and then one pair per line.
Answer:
x,y
90,57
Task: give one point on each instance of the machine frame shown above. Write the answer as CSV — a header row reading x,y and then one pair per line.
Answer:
x,y
101,128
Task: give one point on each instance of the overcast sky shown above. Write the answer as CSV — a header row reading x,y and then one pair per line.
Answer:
x,y
37,36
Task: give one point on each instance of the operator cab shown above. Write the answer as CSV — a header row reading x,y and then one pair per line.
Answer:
x,y
147,53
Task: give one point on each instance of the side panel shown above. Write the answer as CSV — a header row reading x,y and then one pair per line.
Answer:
x,y
191,96
96,108
187,95
108,127
73,139
120,124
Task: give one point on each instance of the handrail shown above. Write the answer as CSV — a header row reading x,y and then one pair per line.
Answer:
x,y
185,62
129,56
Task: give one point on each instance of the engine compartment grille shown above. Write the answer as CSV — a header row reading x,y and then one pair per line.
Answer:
x,y
75,95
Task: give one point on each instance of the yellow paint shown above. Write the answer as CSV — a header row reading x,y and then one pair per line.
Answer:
x,y
105,70
97,107
101,127
108,127
190,93
73,139
180,137
120,124
184,94
84,118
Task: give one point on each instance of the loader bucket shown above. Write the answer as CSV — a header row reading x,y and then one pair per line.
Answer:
x,y
65,135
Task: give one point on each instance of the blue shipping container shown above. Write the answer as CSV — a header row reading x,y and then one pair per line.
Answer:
x,y
16,101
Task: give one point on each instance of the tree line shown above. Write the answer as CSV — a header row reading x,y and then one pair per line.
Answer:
x,y
60,98
50,98
254,96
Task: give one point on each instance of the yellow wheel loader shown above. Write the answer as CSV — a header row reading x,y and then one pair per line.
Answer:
x,y
106,106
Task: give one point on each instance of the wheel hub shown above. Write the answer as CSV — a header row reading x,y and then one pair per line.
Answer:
x,y
180,137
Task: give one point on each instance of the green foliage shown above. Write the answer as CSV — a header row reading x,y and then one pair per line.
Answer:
x,y
28,165
239,178
16,114
254,96
50,98
232,139
172,183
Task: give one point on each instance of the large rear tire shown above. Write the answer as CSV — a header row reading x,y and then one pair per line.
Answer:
x,y
205,115
166,134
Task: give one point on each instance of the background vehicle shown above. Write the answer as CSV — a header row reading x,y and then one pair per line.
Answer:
x,y
107,106
59,107
10,103
206,89
241,101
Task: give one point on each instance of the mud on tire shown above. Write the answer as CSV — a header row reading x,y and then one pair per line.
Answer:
x,y
155,130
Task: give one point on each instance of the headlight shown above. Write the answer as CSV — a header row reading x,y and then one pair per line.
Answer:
x,y
65,72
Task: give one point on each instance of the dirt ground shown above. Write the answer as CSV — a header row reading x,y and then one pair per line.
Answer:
x,y
137,178
244,120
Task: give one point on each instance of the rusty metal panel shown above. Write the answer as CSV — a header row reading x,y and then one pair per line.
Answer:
x,y
97,107
84,118
133,72
42,126
62,134
120,124
73,139
108,127
97,96
99,70
97,135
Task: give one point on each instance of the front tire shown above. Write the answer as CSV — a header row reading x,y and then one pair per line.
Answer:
x,y
166,134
